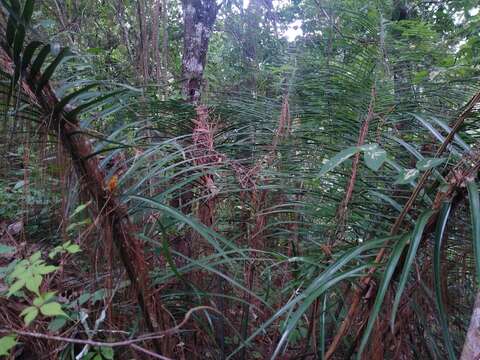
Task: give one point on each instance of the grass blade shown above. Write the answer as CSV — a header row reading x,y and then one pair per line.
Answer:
x,y
475,217
382,289
439,234
412,251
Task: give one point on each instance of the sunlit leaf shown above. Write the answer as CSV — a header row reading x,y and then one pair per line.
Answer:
x,y
407,176
338,159
7,343
428,163
374,157
52,309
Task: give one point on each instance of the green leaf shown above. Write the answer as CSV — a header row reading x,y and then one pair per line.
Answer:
x,y
29,313
19,269
6,343
36,256
48,295
46,269
79,209
407,176
12,21
33,283
57,323
73,249
38,301
55,251
437,258
4,249
338,159
382,290
39,60
28,11
28,53
428,163
52,309
412,251
107,352
374,157
16,286
475,218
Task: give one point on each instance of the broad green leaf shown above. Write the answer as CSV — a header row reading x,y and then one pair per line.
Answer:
x,y
29,315
52,309
38,301
428,163
437,258
48,295
407,176
107,352
73,249
16,286
7,343
46,269
412,251
33,282
338,159
36,256
19,269
57,323
375,157
4,249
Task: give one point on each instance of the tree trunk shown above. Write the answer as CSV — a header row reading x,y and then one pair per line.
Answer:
x,y
164,60
157,8
471,348
143,42
199,17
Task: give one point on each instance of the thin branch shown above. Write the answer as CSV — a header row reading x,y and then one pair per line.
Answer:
x,y
131,342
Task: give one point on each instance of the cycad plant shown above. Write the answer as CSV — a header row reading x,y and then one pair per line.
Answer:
x,y
335,215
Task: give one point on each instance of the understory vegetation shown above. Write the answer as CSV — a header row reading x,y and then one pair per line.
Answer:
x,y
239,179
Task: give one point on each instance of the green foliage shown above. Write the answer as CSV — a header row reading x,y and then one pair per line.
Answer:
x,y
282,246
28,273
6,344
374,157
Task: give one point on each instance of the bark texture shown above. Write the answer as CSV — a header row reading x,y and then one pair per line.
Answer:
x,y
471,348
199,17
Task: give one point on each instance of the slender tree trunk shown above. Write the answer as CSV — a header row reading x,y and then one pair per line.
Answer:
x,y
157,8
143,42
471,348
164,54
120,15
199,17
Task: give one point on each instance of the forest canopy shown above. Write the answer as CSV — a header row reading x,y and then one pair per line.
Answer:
x,y
225,179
